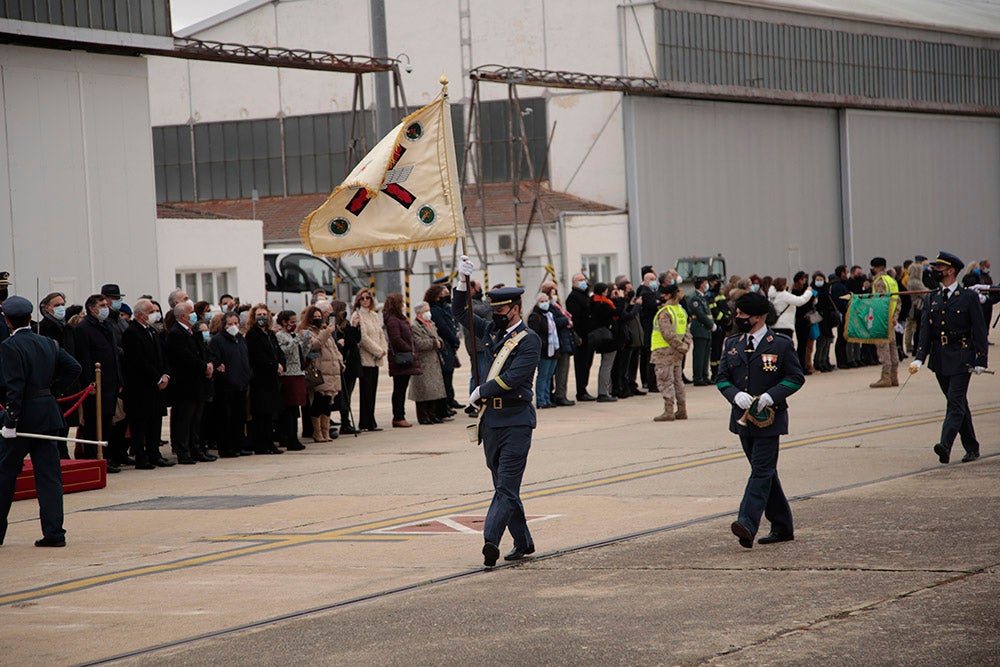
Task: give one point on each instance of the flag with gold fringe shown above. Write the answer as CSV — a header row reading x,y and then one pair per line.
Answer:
x,y
403,195
868,318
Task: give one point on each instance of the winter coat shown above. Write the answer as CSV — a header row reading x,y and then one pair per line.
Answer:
x,y
294,347
330,361
429,385
400,335
231,352
785,304
95,343
265,355
373,344
539,323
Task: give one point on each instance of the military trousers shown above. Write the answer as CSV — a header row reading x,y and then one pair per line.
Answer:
x,y
671,384
957,416
763,493
888,355
506,450
48,481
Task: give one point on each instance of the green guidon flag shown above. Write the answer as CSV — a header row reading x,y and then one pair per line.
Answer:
x,y
868,318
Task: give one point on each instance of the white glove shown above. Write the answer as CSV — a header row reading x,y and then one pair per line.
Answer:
x,y
714,327
978,370
915,366
898,328
982,295
8,432
765,400
743,400
474,397
465,267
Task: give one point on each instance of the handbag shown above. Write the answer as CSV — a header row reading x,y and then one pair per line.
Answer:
x,y
314,377
402,358
600,339
814,317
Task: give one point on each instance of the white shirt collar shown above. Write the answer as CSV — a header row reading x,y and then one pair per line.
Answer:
x,y
758,336
510,329
27,328
951,288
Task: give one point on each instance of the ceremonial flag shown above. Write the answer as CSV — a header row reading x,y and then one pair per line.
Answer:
x,y
403,195
868,318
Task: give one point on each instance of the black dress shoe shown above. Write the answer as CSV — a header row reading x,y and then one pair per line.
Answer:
x,y
113,468
604,398
741,531
271,450
685,379
229,455
372,429
564,402
639,392
970,456
205,457
517,553
51,542
583,398
163,463
295,447
144,465
186,460
124,461
455,404
773,537
347,430
942,453
491,553
701,383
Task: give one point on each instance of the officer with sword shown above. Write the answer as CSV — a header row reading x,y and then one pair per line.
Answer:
x,y
953,343
31,368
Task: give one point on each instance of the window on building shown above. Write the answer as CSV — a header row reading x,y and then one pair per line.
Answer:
x,y
597,268
205,284
494,125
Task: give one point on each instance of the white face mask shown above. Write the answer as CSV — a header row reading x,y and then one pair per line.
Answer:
x,y
426,316
232,330
154,317
544,305
819,283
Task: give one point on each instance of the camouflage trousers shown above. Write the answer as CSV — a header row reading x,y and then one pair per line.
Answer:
x,y
670,384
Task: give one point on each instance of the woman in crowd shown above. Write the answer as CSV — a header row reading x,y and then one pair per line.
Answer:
x,y
914,283
785,303
603,314
348,336
267,364
228,350
438,297
403,360
804,341
828,311
207,438
427,388
543,321
293,379
567,345
324,356
203,311
373,347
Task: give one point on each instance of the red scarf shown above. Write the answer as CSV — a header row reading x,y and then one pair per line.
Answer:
x,y
607,302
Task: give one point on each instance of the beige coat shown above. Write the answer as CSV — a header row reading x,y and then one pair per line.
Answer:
x,y
678,347
373,343
330,361
429,385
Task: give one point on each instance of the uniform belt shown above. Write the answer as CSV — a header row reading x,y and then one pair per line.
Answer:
x,y
498,403
955,337
38,393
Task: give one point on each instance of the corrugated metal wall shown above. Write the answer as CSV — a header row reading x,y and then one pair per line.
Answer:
x,y
922,183
759,184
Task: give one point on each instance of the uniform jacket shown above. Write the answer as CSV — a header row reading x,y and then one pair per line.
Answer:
x,y
187,359
95,343
508,398
701,316
772,368
231,352
265,355
479,308
30,363
400,336
429,385
143,363
961,320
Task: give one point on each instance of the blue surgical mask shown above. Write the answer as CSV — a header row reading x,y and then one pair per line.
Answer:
x,y
102,313
755,287
206,336
582,284
116,304
192,318
651,284
544,305
673,281
225,308
59,312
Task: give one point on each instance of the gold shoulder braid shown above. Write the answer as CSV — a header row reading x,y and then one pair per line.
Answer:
x,y
498,362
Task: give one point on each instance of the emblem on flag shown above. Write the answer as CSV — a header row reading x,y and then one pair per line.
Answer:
x,y
868,317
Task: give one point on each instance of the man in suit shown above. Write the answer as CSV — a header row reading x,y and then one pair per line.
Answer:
x,y
507,414
578,305
702,327
953,342
189,366
95,343
31,366
145,383
758,363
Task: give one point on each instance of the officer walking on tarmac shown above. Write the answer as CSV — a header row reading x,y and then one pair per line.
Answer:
x,y
30,366
953,342
507,414
759,370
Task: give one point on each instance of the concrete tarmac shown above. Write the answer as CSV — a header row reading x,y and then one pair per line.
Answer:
x,y
366,550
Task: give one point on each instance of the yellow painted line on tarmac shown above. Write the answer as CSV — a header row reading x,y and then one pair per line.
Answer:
x,y
273,542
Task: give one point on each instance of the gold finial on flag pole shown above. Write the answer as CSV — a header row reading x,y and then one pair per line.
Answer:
x,y
444,85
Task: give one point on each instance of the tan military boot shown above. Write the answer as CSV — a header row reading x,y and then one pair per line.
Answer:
x,y
667,415
884,381
682,411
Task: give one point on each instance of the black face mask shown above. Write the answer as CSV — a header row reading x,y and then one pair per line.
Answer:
x,y
743,324
3,294
937,274
262,322
317,322
500,321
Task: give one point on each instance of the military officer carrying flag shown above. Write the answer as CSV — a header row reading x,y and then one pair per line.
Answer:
x,y
758,371
953,342
507,414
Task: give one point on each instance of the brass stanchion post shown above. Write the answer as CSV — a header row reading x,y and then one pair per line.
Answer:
x,y
99,415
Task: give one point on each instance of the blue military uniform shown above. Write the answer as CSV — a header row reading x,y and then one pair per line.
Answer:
x,y
31,367
953,341
507,420
772,368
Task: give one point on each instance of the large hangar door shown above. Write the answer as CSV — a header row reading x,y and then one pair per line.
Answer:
x,y
758,183
923,183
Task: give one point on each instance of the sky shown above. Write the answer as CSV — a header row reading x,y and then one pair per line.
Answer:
x,y
185,12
